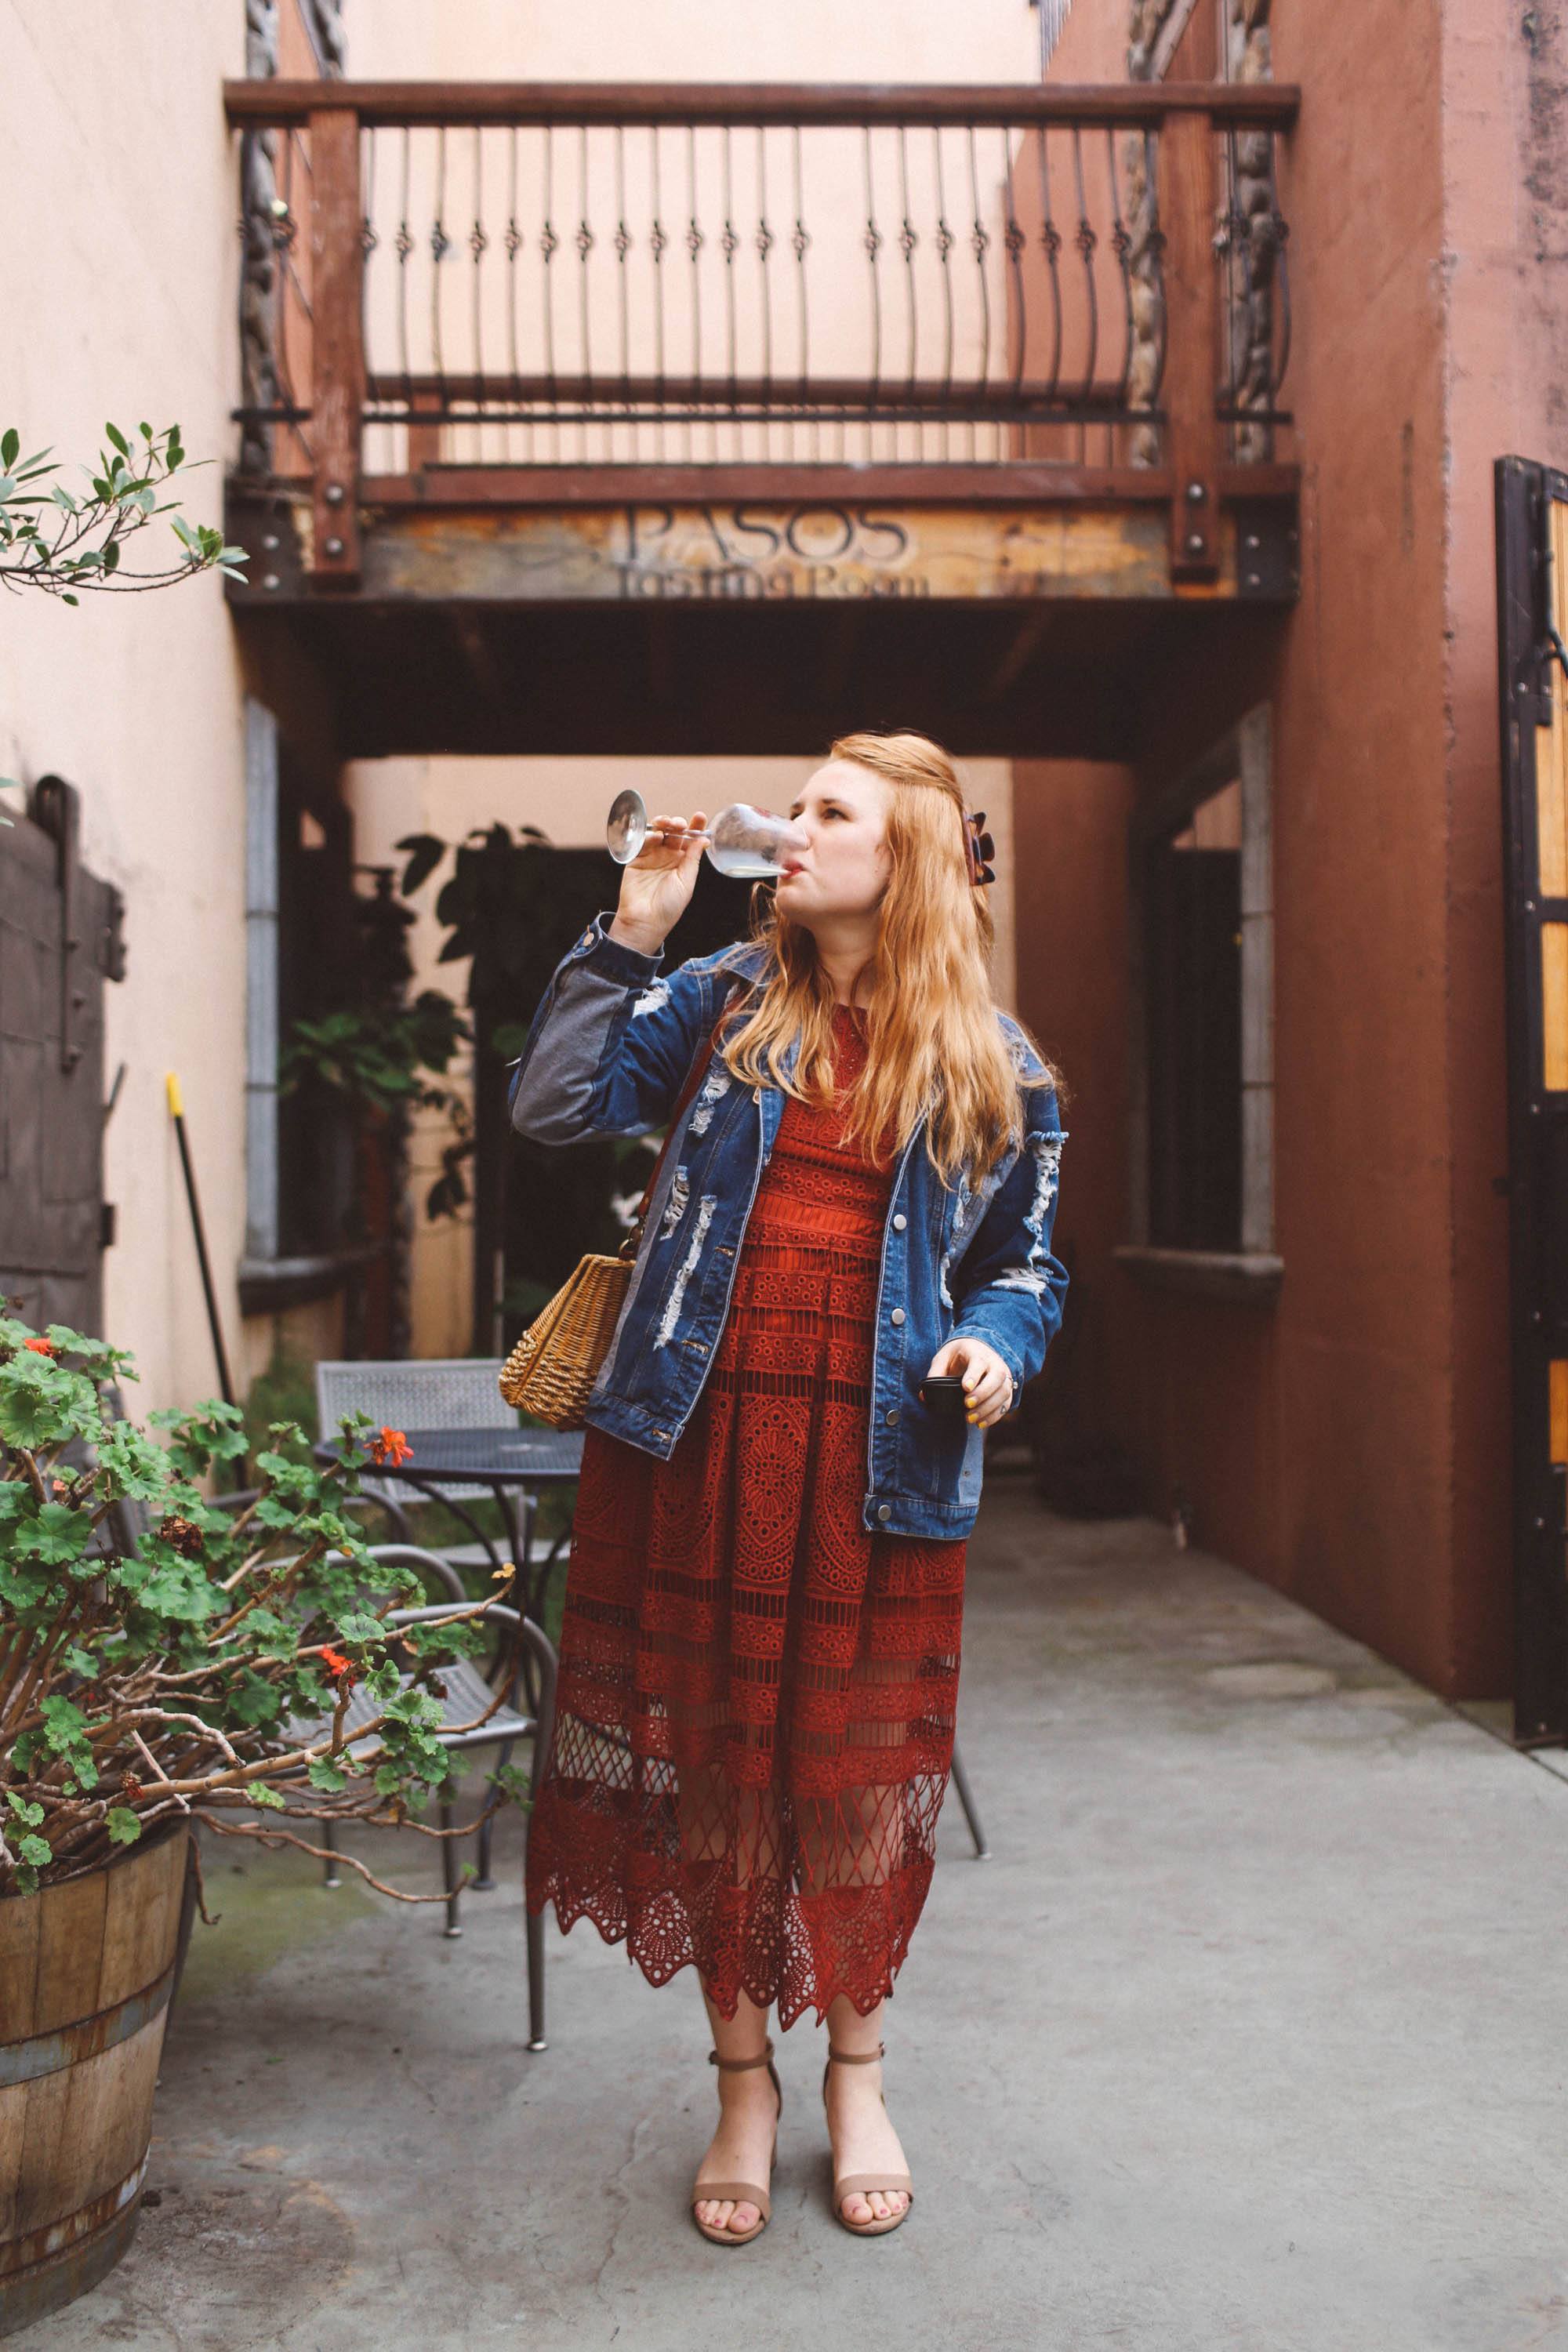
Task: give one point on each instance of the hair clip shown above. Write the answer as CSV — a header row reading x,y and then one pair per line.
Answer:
x,y
978,848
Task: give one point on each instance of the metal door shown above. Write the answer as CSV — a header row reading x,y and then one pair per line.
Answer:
x,y
1532,649
60,938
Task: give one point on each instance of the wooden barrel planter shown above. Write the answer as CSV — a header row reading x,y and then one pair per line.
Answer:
x,y
86,1972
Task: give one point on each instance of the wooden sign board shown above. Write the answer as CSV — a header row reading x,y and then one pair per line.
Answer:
x,y
772,553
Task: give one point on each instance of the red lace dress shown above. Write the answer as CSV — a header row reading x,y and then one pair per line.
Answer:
x,y
754,1721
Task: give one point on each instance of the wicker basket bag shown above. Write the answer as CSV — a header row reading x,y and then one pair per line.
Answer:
x,y
556,1360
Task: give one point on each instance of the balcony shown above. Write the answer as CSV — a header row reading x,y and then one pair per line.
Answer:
x,y
522,347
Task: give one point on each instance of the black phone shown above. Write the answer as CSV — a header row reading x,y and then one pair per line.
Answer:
x,y
942,1393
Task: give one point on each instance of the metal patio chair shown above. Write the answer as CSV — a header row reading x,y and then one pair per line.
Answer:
x,y
468,1694
965,1795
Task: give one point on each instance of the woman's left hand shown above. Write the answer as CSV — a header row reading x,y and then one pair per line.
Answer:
x,y
987,1382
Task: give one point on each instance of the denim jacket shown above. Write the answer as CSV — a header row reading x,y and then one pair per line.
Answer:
x,y
609,1053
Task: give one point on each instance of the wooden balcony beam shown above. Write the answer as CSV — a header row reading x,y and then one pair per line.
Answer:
x,y
262,104
650,536
991,486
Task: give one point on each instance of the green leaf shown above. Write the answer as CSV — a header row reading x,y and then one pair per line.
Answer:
x,y
55,1536
328,1777
28,1814
359,1625
65,1726
132,1464
124,1828
255,1702
10,442
178,1590
22,1589
42,1403
211,1432
268,1799
293,1478
70,1342
35,1851
119,439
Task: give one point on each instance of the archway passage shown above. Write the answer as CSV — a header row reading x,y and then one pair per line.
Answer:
x,y
720,464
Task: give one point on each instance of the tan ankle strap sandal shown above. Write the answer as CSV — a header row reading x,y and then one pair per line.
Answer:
x,y
741,2192
862,2184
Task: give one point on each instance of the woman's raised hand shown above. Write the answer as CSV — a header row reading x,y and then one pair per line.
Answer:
x,y
656,886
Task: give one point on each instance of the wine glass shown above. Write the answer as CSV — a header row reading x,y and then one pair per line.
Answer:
x,y
748,843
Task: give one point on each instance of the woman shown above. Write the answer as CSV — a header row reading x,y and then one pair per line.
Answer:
x,y
760,1651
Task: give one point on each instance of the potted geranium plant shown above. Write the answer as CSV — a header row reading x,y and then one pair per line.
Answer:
x,y
165,1659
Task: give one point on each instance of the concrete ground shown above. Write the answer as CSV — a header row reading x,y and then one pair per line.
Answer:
x,y
1251,2034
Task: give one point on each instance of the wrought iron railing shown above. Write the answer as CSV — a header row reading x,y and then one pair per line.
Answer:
x,y
539,276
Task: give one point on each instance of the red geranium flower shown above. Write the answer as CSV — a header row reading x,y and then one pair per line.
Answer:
x,y
131,1789
390,1446
42,1347
341,1670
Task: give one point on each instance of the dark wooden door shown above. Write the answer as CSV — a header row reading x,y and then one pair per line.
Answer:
x,y
1532,647
60,938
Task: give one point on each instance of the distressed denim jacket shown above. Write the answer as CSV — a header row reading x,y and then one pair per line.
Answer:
x,y
609,1053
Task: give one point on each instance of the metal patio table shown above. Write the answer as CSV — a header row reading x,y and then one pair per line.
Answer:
x,y
510,1464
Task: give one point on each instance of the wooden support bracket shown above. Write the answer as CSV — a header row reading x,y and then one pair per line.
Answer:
x,y
337,365
1188,185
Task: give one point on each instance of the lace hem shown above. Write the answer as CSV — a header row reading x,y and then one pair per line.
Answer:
x,y
777,1945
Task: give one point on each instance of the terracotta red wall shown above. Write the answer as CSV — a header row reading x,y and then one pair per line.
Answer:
x,y
1349,1443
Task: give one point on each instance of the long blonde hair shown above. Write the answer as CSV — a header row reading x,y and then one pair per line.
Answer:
x,y
934,1041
